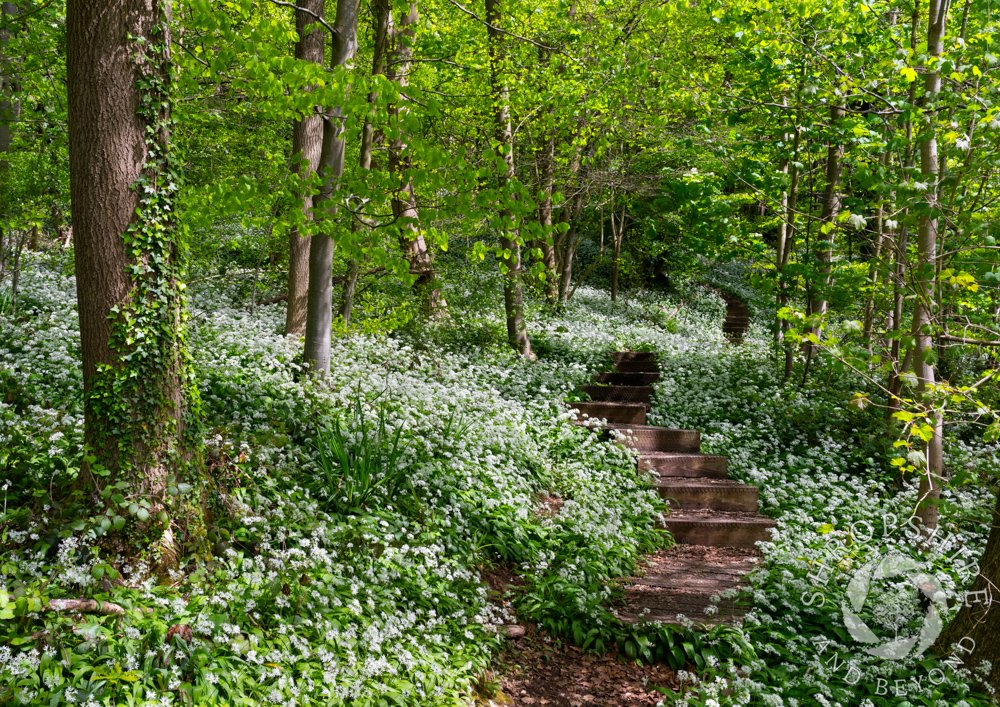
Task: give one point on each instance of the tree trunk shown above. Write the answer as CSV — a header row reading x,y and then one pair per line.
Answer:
x,y
513,289
137,382
617,233
831,208
896,325
925,275
546,163
875,266
381,29
895,385
307,143
319,317
404,202
971,637
8,84
566,243
787,245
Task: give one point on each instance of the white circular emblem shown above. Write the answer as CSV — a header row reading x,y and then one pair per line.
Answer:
x,y
892,609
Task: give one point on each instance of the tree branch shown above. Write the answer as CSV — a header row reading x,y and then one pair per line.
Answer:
x,y
966,340
477,18
281,3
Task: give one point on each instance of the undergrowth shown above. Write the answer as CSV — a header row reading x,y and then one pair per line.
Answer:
x,y
360,522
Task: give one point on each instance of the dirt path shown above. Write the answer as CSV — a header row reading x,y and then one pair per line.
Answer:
x,y
536,670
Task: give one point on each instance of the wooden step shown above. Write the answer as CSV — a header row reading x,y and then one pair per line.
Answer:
x,y
719,528
702,608
616,413
685,581
637,367
619,356
648,438
619,393
688,465
685,493
628,378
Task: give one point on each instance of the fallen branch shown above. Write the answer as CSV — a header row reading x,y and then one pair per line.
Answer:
x,y
86,606
272,300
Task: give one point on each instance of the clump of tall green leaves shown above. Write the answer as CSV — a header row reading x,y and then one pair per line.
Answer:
x,y
359,457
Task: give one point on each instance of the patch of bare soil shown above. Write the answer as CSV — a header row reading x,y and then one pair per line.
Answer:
x,y
536,670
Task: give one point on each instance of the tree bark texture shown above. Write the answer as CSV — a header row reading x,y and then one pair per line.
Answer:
x,y
925,275
566,243
319,316
546,163
971,637
828,218
307,144
8,82
617,234
404,202
513,288
381,31
136,378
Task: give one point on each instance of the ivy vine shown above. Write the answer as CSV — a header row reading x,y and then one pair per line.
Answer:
x,y
148,400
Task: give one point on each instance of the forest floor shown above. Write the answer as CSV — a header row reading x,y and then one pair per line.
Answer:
x,y
537,670
392,598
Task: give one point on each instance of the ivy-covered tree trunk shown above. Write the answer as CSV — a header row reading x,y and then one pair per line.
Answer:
x,y
925,274
513,287
139,397
319,316
307,143
404,202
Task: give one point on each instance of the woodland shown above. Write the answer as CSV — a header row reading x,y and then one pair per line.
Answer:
x,y
301,303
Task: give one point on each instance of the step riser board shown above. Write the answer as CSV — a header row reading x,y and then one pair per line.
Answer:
x,y
617,413
646,356
628,378
689,465
741,498
717,534
662,440
637,367
619,393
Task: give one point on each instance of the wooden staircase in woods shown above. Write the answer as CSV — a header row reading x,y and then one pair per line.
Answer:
x,y
714,519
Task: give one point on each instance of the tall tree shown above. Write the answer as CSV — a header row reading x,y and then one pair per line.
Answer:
x,y
828,217
381,29
319,317
510,247
307,143
8,104
137,387
404,201
925,275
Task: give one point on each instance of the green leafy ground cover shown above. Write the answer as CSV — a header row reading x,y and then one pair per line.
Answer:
x,y
372,586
